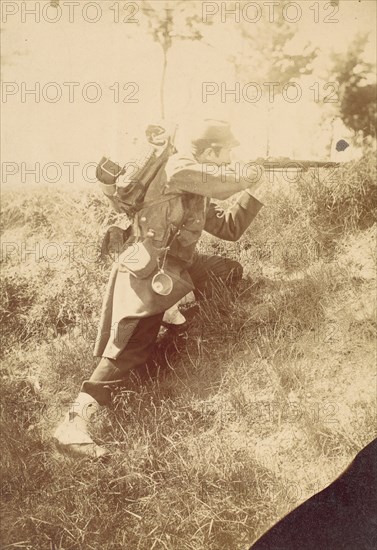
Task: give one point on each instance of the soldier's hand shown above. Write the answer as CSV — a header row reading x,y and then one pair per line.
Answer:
x,y
257,179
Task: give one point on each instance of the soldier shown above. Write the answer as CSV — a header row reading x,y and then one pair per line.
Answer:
x,y
133,307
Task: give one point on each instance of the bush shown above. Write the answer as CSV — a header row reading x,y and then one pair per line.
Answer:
x,y
46,302
344,201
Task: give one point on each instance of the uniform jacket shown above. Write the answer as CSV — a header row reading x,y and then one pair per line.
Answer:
x,y
179,220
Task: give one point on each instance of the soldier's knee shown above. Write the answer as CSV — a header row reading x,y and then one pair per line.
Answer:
x,y
227,269
235,270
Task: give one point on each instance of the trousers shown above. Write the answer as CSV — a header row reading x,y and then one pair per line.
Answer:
x,y
110,373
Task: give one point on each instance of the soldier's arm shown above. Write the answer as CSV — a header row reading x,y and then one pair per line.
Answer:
x,y
216,182
230,224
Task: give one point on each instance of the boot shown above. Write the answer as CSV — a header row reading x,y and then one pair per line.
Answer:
x,y
188,299
173,316
72,434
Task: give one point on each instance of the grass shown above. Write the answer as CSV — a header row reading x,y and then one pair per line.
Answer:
x,y
263,402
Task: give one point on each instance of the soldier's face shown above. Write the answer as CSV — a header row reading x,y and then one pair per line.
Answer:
x,y
225,155
219,157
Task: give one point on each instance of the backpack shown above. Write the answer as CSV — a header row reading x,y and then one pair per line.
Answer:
x,y
125,186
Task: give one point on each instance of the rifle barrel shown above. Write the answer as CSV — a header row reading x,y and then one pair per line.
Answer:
x,y
293,164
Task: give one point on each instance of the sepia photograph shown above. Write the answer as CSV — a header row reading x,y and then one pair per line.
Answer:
x,y
188,299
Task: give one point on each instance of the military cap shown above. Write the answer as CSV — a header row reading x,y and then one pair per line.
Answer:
x,y
214,133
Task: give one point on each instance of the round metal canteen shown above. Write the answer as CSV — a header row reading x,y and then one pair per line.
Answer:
x,y
162,284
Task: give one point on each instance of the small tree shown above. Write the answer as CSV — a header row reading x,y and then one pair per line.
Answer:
x,y
357,107
272,57
168,21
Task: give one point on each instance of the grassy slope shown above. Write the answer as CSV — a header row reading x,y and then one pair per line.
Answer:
x,y
263,403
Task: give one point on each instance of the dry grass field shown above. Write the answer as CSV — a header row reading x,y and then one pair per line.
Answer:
x,y
261,403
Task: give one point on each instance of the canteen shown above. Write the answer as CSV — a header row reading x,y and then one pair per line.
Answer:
x,y
162,284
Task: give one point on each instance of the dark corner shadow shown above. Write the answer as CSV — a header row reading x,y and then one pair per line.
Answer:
x,y
341,517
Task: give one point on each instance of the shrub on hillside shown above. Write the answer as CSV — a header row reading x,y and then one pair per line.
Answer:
x,y
53,213
51,278
344,200
48,301
16,299
302,222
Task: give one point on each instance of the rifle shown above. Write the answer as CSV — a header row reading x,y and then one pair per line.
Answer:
x,y
280,164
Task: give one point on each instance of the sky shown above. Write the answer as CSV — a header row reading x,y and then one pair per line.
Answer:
x,y
119,64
